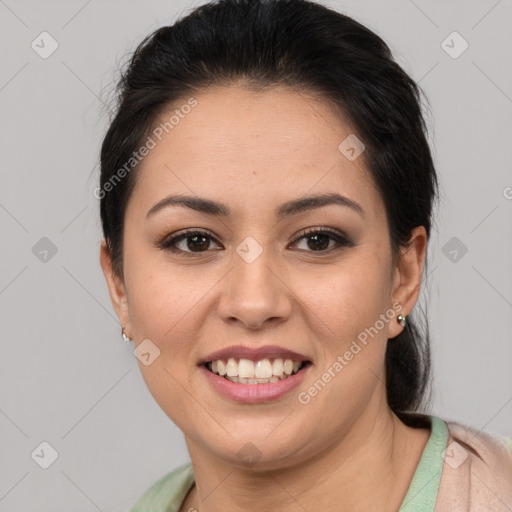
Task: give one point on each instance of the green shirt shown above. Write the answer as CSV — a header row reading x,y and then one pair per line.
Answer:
x,y
168,493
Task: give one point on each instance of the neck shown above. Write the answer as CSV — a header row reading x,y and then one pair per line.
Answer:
x,y
369,468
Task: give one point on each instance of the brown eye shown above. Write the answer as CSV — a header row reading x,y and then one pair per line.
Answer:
x,y
191,242
319,240
196,242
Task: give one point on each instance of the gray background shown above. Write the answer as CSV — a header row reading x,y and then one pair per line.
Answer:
x,y
67,378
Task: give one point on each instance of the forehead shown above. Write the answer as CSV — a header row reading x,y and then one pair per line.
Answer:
x,y
254,147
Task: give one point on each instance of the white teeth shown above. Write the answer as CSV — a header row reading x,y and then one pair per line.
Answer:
x,y
288,366
246,371
277,367
231,368
263,369
241,380
221,367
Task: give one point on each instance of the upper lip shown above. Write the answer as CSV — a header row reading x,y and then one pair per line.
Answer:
x,y
254,354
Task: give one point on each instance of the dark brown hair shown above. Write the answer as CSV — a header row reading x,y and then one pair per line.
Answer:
x,y
305,45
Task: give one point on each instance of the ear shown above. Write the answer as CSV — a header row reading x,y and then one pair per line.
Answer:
x,y
407,276
116,288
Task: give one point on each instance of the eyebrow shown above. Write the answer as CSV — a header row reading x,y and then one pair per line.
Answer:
x,y
287,209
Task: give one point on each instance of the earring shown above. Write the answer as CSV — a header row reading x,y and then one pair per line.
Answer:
x,y
125,337
402,320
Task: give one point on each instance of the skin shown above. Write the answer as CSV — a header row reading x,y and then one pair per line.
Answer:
x,y
345,450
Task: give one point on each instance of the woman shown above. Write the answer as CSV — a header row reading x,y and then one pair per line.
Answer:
x,y
266,200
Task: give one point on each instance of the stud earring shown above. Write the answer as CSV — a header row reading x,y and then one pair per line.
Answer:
x,y
402,320
125,337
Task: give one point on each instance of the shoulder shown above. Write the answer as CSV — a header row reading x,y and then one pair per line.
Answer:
x,y
477,471
167,493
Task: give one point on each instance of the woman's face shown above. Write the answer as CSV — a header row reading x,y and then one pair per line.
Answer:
x,y
252,278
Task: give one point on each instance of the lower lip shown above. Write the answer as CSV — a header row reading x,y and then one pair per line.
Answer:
x,y
254,393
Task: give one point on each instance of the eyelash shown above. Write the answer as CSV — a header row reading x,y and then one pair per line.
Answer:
x,y
169,244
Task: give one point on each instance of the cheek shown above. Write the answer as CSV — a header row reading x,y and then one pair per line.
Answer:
x,y
162,294
344,308
345,298
165,308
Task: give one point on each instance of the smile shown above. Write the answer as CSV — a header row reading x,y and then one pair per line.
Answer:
x,y
263,371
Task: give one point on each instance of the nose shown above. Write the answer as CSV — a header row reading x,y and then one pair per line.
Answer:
x,y
254,293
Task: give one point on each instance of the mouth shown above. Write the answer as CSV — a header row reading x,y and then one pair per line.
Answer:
x,y
254,372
